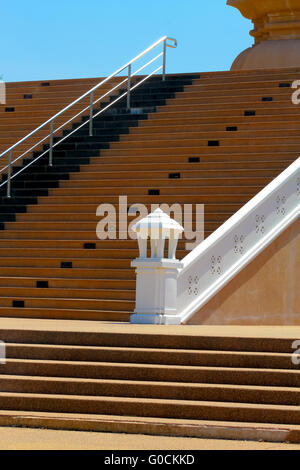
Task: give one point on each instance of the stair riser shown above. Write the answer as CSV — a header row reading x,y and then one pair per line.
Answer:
x,y
115,284
123,408
201,151
148,390
71,244
187,358
155,373
56,263
186,172
81,273
166,341
81,294
200,143
69,303
79,211
183,190
146,134
190,182
43,217
131,200
63,254
65,314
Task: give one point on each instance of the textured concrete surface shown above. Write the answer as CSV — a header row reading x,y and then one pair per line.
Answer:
x,y
42,439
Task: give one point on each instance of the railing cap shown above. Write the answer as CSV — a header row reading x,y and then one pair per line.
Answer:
x,y
157,220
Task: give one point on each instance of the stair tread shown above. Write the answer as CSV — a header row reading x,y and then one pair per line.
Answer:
x,y
156,350
147,420
188,385
21,310
153,401
154,366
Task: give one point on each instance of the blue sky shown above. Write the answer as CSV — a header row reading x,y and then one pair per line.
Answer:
x,y
89,38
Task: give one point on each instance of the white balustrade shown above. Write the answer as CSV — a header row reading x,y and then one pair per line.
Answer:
x,y
176,293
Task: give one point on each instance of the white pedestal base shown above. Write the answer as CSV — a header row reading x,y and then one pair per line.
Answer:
x,y
146,319
156,291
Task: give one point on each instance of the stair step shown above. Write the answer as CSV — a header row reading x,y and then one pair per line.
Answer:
x,y
66,293
169,373
151,356
65,314
57,283
152,426
282,414
228,339
77,273
70,303
146,389
56,263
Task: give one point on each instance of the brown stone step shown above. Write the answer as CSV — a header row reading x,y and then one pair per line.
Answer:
x,y
145,133
211,157
152,372
194,150
242,125
79,210
86,217
67,293
78,273
182,101
56,283
159,356
263,112
187,181
89,263
199,142
140,389
139,192
146,199
152,426
217,95
152,408
64,314
198,168
72,303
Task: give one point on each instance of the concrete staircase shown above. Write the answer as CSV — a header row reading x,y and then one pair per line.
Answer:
x,y
215,139
183,381
29,104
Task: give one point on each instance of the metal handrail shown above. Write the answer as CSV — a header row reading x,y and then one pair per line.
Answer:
x,y
93,102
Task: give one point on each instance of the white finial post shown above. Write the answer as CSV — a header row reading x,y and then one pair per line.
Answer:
x,y
156,285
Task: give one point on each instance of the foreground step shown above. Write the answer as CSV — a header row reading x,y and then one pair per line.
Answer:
x,y
169,373
141,389
152,426
151,356
152,408
180,338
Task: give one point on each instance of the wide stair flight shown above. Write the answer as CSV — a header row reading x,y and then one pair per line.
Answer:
x,y
215,139
154,382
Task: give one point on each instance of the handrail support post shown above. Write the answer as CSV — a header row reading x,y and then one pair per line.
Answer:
x,y
164,60
129,87
51,143
9,175
91,114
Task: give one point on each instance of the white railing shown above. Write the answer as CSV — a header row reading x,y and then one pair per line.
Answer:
x,y
90,109
221,256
